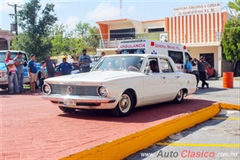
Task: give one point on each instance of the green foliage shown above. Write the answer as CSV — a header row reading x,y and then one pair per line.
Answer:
x,y
231,40
234,5
36,25
87,37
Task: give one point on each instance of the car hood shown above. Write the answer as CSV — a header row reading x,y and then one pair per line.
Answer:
x,y
96,77
2,66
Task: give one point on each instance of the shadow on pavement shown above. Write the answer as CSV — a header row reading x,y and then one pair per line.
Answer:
x,y
162,112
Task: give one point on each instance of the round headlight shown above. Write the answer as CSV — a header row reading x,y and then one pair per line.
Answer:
x,y
102,91
46,88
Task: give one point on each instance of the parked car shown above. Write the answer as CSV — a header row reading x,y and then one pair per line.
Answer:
x,y
75,69
121,83
210,71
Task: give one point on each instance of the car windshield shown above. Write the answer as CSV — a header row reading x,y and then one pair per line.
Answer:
x,y
119,63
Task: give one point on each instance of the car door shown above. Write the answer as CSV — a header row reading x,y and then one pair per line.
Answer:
x,y
153,85
171,78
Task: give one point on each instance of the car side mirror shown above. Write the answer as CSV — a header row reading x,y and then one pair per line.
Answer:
x,y
147,70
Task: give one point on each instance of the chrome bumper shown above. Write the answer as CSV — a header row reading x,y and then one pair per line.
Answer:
x,y
78,99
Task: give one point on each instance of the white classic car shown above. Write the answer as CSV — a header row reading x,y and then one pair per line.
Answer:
x,y
120,83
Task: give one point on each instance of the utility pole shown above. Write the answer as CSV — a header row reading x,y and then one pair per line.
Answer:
x,y
121,8
14,26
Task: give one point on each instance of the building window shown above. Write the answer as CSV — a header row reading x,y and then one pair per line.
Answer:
x,y
150,30
122,34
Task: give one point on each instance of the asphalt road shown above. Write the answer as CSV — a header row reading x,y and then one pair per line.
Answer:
x,y
218,138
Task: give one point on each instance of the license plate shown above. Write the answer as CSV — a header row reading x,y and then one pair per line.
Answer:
x,y
69,103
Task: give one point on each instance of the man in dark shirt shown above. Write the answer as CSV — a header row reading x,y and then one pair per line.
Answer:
x,y
65,67
202,72
50,67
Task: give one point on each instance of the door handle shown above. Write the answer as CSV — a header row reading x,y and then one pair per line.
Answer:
x,y
177,76
163,77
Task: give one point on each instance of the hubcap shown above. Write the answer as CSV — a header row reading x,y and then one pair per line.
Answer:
x,y
125,103
179,95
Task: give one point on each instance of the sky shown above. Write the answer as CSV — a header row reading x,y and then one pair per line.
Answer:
x,y
70,12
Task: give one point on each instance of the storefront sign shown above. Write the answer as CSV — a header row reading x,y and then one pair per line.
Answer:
x,y
152,36
197,9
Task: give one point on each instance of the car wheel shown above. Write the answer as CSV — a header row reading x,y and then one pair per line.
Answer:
x,y
124,106
179,97
67,110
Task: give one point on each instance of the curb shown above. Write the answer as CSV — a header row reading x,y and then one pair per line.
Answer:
x,y
229,106
117,149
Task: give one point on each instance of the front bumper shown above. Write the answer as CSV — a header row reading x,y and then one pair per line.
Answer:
x,y
81,102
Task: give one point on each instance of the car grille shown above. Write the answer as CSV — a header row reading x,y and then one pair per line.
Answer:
x,y
76,90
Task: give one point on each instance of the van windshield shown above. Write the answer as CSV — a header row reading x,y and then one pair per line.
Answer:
x,y
132,51
13,55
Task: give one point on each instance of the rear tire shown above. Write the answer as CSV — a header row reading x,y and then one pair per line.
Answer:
x,y
124,106
179,97
67,110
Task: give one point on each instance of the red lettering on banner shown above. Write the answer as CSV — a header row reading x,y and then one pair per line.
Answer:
x,y
160,46
133,46
170,47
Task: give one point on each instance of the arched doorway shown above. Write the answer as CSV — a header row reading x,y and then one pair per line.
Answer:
x,y
3,44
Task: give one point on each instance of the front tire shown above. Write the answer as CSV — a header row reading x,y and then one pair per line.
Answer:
x,y
124,106
67,110
179,97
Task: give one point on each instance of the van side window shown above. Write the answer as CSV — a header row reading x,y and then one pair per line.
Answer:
x,y
165,66
187,56
177,57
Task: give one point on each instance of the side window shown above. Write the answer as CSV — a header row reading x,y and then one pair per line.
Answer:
x,y
187,56
165,66
177,57
154,65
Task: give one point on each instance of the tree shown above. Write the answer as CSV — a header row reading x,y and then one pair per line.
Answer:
x,y
231,40
88,37
36,25
234,7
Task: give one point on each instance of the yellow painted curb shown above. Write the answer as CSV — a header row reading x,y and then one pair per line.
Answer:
x,y
230,106
125,146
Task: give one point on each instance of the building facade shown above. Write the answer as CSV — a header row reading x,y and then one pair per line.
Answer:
x,y
5,39
199,27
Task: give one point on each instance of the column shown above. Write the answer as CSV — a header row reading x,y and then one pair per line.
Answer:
x,y
200,28
181,29
208,29
184,31
216,27
8,43
170,30
212,28
204,29
188,34
219,64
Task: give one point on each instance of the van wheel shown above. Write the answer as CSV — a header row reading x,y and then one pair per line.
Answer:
x,y
179,97
124,106
67,110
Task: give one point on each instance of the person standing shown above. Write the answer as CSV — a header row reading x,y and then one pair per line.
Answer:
x,y
84,61
202,73
50,67
19,65
12,74
44,74
32,72
65,67
188,65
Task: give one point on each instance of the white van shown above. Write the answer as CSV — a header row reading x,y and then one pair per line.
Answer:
x,y
177,52
3,68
